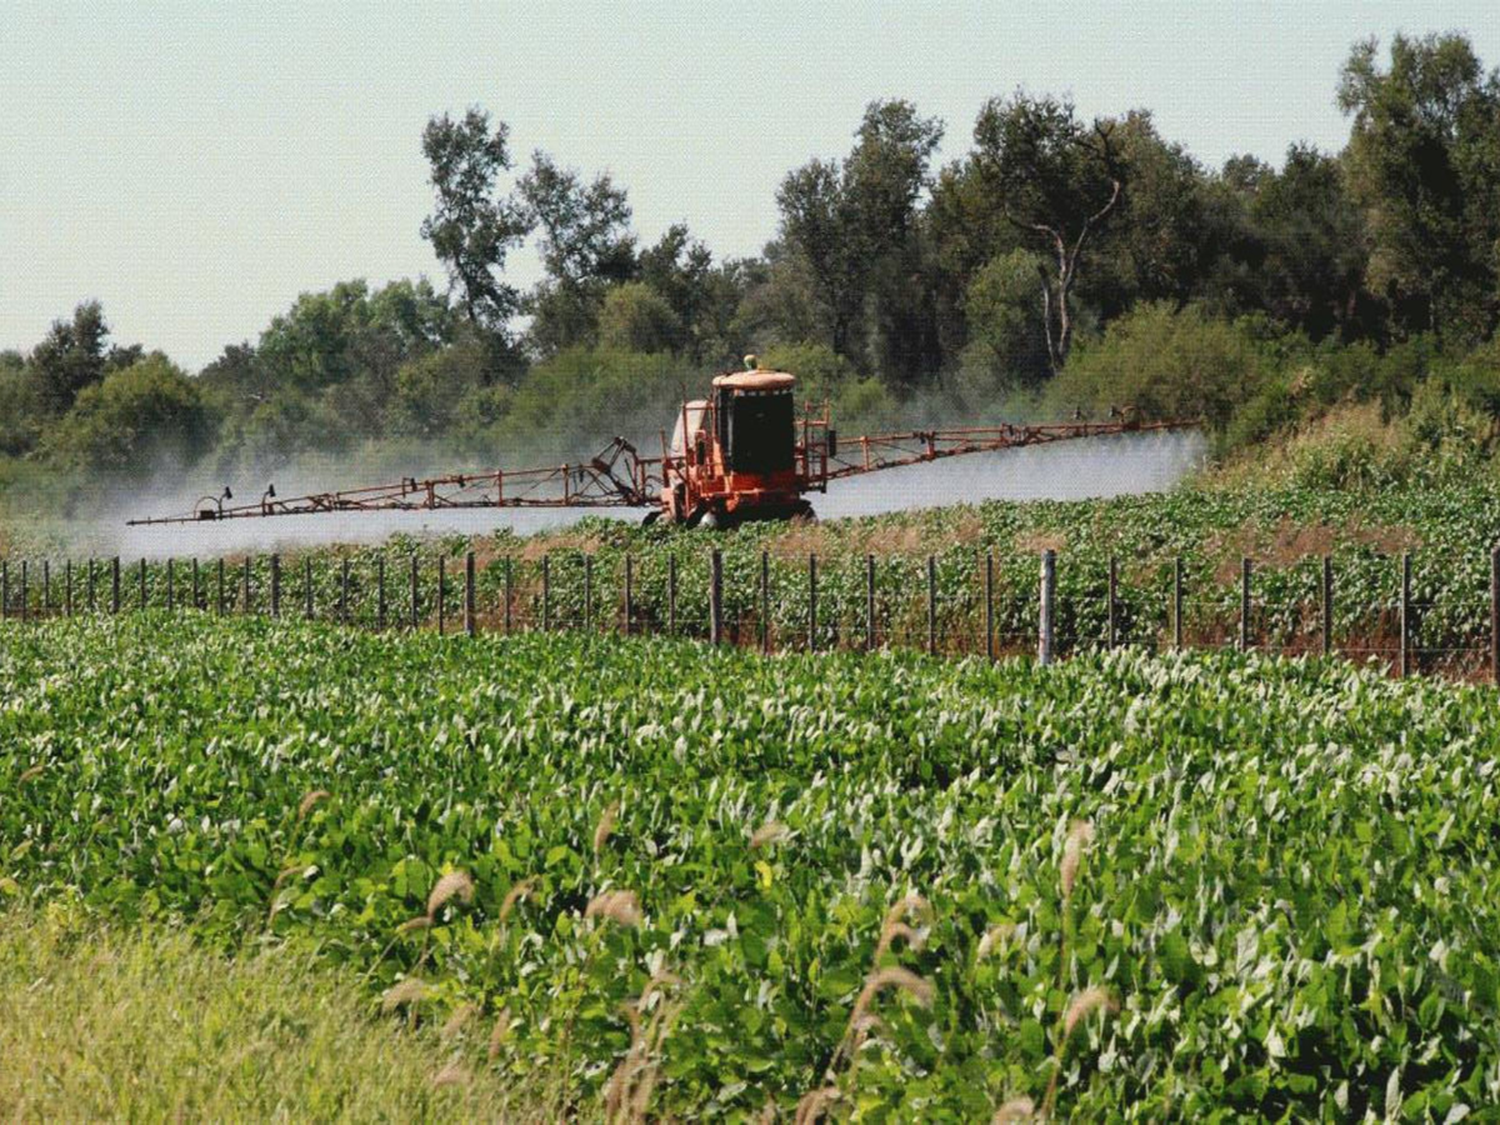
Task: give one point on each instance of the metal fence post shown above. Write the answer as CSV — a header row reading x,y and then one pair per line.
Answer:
x,y
547,592
1327,615
1177,603
1405,614
471,623
869,603
344,590
245,608
143,583
812,601
114,580
380,606
220,570
588,591
4,589
1044,649
25,593
275,585
1244,604
765,602
1114,602
672,595
67,587
989,605
46,587
197,585
171,584
415,579
93,587
629,595
308,605
442,599
931,605
508,580
716,597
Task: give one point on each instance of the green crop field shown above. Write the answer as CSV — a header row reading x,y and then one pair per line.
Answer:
x,y
658,878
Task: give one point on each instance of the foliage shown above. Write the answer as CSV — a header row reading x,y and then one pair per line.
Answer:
x,y
630,827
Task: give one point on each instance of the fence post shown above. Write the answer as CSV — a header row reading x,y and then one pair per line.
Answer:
x,y
197,585
629,595
143,583
25,593
171,584
220,569
1327,622
1044,650
989,605
672,595
507,594
812,601
765,602
114,604
46,587
245,608
344,590
275,585
4,589
1495,615
471,625
547,592
67,587
588,591
1114,602
869,603
931,605
1244,604
93,587
716,597
1177,603
415,579
1405,614
380,591
442,590
308,605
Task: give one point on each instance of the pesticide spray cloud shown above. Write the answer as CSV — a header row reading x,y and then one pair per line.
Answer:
x,y
1070,470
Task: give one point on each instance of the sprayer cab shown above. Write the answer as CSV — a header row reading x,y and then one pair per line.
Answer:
x,y
743,453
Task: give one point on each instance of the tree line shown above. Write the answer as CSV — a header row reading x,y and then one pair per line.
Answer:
x,y
1060,264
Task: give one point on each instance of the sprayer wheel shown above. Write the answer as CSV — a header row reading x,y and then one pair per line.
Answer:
x,y
651,517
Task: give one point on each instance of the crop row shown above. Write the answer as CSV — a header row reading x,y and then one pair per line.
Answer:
x,y
861,874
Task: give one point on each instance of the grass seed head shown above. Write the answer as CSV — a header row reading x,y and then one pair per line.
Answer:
x,y
455,883
28,774
420,922
457,1021
606,826
454,1074
896,977
517,893
309,801
1017,1109
409,991
619,907
1080,835
1087,1002
815,1103
993,937
894,930
771,832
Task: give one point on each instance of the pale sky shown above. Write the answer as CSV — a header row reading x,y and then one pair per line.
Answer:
x,y
196,166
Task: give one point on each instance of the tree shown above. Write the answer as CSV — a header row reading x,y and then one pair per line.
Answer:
x,y
132,420
471,228
70,358
1424,162
854,222
1007,347
637,318
1059,182
586,246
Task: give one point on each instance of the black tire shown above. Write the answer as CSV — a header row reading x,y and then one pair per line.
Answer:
x,y
710,520
651,517
803,513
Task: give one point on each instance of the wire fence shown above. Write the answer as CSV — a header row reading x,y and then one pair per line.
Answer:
x,y
955,604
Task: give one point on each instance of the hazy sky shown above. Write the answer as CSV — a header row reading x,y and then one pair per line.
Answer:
x,y
197,166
